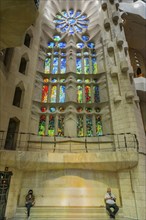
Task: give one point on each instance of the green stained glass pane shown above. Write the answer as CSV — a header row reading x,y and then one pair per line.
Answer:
x,y
56,38
80,127
79,65
62,94
61,125
80,94
55,65
86,65
94,66
51,126
42,124
87,80
87,94
53,94
89,129
47,65
45,93
63,65
52,109
98,126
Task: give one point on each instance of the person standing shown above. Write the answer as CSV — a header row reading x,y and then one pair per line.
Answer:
x,y
110,201
29,201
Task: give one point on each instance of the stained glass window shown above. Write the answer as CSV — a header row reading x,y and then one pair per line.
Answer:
x,y
80,127
63,65
79,65
55,65
91,45
61,125
79,94
85,38
42,124
89,127
43,109
88,94
94,65
56,38
62,94
51,126
71,21
51,44
80,45
86,65
96,94
61,44
53,94
47,65
52,109
98,126
45,93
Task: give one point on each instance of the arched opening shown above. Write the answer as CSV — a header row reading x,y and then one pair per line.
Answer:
x,y
27,40
23,65
12,134
17,97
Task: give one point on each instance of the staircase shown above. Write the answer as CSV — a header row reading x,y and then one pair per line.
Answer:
x,y
65,213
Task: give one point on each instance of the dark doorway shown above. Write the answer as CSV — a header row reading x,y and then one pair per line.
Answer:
x,y
5,177
12,134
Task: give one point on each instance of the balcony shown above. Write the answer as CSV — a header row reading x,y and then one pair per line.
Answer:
x,y
15,20
111,152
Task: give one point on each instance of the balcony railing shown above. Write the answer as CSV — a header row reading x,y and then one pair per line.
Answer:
x,y
31,142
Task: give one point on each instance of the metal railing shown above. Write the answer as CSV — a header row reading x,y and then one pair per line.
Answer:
x,y
31,142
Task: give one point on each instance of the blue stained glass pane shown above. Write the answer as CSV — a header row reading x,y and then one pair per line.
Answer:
x,y
96,94
71,30
55,65
71,12
61,44
77,28
91,45
93,54
78,65
86,65
51,44
65,28
78,13
54,80
83,21
82,17
85,38
63,54
62,94
80,45
63,65
55,53
60,25
71,21
94,65
64,13
56,38
82,25
52,109
79,54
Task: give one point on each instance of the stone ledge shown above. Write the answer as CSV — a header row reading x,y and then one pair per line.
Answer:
x,y
103,161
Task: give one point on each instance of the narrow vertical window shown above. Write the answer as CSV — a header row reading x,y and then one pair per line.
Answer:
x,y
17,97
80,128
42,124
45,93
98,126
86,65
27,40
61,125
79,65
79,94
47,65
89,129
63,65
94,65
53,94
87,94
22,67
55,65
96,94
51,127
62,94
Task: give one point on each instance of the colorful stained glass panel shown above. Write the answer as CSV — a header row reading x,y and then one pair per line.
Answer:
x,y
42,124
61,125
87,94
94,65
45,93
53,94
98,126
79,65
63,65
62,94
51,126
89,128
79,94
86,65
80,127
55,65
47,65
